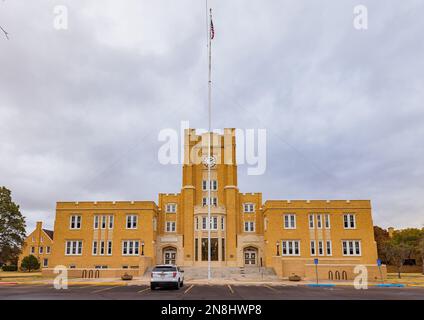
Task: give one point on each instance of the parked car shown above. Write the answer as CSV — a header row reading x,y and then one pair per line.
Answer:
x,y
167,275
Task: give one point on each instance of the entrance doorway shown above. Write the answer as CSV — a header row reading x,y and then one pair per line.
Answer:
x,y
169,256
250,256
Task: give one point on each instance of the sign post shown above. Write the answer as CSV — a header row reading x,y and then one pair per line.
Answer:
x,y
379,268
316,268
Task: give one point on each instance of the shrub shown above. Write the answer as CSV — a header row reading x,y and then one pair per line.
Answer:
x,y
30,263
9,268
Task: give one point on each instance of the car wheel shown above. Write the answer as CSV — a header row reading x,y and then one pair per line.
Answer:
x,y
177,286
182,283
152,286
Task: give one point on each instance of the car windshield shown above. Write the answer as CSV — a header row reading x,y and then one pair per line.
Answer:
x,y
165,268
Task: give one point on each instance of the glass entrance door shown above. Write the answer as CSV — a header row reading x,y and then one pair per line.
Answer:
x,y
250,257
169,256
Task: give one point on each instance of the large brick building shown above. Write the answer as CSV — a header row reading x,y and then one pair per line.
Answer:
x,y
109,238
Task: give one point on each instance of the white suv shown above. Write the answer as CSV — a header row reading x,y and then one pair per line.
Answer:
x,y
167,275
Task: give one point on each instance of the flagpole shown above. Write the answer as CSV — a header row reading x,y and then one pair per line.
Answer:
x,y
209,143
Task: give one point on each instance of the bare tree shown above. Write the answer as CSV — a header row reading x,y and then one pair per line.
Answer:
x,y
5,32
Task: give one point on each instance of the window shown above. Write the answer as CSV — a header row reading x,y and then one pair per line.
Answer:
x,y
329,248
100,267
313,249
171,208
109,247
73,248
75,222
104,222
96,222
48,250
32,249
249,226
41,239
45,263
222,223
110,222
290,248
351,248
311,221
319,221
349,221
170,226
204,223
131,222
102,248
249,207
214,185
327,221
213,203
289,221
130,247
40,250
94,248
320,248
214,223
197,223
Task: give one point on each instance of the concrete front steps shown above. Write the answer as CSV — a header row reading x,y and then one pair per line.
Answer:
x,y
231,273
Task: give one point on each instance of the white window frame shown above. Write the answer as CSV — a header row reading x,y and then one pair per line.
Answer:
x,y
249,226
328,248
102,249
74,244
222,223
313,246
171,208
40,249
130,245
321,250
289,221
32,250
75,222
204,223
103,222
249,207
45,263
290,245
132,220
349,218
351,246
319,221
311,221
48,249
96,222
109,248
94,248
327,221
171,226
110,222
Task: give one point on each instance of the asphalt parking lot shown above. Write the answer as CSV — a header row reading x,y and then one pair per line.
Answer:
x,y
205,292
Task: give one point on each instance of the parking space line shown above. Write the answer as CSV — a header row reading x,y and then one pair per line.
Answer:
x,y
231,289
104,289
271,288
143,290
189,288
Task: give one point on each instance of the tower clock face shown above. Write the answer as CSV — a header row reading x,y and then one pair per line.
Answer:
x,y
209,161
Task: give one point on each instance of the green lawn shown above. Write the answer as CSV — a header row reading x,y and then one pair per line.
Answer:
x,y
7,276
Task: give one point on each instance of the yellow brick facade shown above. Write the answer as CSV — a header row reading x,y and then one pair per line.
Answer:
x,y
245,230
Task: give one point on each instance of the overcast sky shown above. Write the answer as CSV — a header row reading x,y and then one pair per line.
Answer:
x,y
81,109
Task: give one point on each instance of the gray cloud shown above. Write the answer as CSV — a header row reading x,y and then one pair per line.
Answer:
x,y
81,109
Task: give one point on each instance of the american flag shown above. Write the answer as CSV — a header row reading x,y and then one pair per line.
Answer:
x,y
212,30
